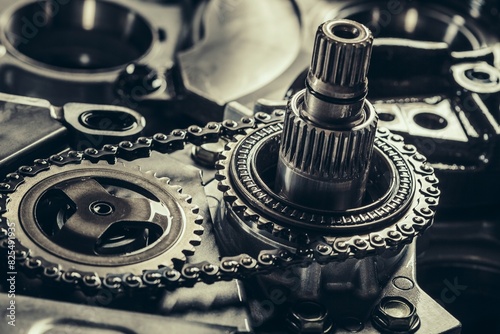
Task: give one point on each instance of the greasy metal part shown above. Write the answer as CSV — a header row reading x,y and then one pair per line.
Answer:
x,y
449,21
327,141
57,317
270,221
228,34
208,154
39,130
337,79
446,104
240,266
439,126
74,246
309,317
325,168
396,315
94,125
78,51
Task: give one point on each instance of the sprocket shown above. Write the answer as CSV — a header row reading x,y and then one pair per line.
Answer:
x,y
90,221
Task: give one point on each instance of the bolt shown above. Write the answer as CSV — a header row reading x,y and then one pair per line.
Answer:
x,y
395,315
137,81
309,317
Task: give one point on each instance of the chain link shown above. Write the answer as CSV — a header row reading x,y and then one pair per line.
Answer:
x,y
228,268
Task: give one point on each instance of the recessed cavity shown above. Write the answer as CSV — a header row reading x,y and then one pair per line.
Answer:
x,y
430,121
480,76
345,31
79,35
386,117
102,208
108,120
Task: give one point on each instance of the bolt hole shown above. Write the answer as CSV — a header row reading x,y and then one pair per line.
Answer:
x,y
386,117
108,120
101,208
309,311
430,121
346,31
478,76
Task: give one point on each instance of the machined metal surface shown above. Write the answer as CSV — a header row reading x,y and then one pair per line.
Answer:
x,y
103,232
327,140
315,178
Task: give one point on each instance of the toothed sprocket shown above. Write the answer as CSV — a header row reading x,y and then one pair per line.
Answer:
x,y
92,221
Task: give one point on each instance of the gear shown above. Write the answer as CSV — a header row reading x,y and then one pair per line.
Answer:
x,y
277,256
95,220
401,201
327,174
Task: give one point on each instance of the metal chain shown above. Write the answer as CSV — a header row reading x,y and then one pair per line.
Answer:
x,y
228,268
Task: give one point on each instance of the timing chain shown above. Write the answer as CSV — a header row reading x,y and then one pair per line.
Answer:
x,y
228,268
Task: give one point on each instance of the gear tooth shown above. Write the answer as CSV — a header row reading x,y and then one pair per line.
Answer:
x,y
188,238
249,214
265,225
277,229
219,165
199,229
187,198
195,241
239,206
196,209
223,187
189,251
163,179
179,259
326,153
340,60
230,198
176,188
219,176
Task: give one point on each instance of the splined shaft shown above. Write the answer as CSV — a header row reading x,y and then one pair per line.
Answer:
x,y
329,129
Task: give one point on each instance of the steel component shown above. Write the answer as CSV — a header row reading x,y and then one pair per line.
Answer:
x,y
327,140
439,89
87,319
396,315
77,51
93,125
411,189
309,317
40,133
101,219
337,80
323,250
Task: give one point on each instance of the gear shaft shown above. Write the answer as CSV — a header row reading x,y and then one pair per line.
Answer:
x,y
329,129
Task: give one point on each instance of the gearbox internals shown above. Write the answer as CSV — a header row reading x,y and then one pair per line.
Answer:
x,y
264,166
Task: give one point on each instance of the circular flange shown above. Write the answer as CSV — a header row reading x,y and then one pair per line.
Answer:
x,y
111,219
400,207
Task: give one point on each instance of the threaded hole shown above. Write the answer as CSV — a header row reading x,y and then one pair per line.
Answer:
x,y
346,31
